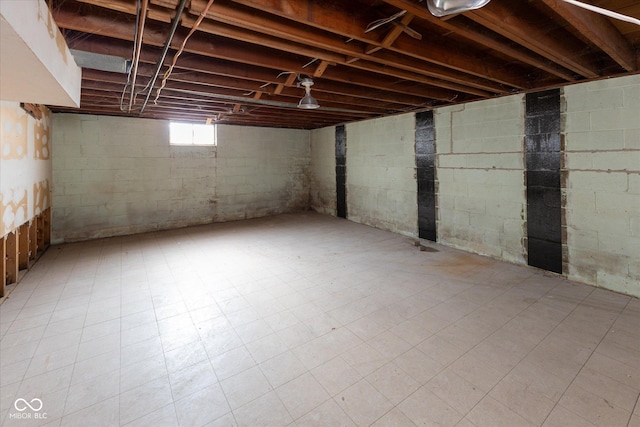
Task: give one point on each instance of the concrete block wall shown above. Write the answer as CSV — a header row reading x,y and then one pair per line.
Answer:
x,y
381,180
261,171
480,177
602,180
114,176
323,170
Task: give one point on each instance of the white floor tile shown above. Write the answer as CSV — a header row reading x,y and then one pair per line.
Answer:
x,y
288,321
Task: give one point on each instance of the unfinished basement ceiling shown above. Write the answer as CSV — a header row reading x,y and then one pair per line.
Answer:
x,y
242,64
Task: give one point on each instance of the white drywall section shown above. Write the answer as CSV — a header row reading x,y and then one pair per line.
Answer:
x,y
35,63
323,170
480,177
381,181
602,159
115,176
25,165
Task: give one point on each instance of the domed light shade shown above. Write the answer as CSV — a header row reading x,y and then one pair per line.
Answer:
x,y
307,102
449,7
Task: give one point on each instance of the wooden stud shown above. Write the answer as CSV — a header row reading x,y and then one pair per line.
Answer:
x,y
23,246
47,227
33,239
279,89
3,266
291,79
12,257
322,67
40,238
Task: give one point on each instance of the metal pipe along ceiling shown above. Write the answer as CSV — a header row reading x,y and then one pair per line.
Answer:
x,y
174,27
138,50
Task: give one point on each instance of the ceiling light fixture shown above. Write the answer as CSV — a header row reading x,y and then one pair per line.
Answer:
x,y
450,7
307,102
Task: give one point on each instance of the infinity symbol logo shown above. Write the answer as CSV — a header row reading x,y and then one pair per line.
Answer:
x,y
37,404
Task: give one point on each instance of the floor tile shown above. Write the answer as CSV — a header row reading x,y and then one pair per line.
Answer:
x,y
93,348
227,420
336,375
491,413
232,362
530,405
245,387
594,408
389,345
425,408
87,369
290,333
282,368
266,347
90,392
457,392
363,403
104,413
616,393
138,373
418,365
192,379
364,359
301,395
221,342
163,417
266,411
561,417
185,356
202,407
477,372
155,394
394,418
395,384
327,414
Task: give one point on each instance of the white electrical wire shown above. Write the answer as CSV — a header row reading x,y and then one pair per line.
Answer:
x,y
606,12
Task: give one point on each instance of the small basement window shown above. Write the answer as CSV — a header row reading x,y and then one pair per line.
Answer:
x,y
181,133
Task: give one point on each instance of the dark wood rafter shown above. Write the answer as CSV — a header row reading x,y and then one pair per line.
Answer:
x,y
507,21
243,63
598,30
492,41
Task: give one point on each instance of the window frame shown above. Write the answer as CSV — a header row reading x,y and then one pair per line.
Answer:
x,y
195,139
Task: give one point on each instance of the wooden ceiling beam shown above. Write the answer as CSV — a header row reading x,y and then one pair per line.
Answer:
x,y
488,40
321,68
211,46
240,71
278,34
391,64
322,15
416,71
599,30
291,78
292,94
500,16
392,35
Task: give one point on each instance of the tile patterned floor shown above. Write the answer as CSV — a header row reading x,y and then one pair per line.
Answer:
x,y
309,320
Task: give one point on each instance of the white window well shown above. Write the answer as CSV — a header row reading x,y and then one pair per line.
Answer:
x,y
181,133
